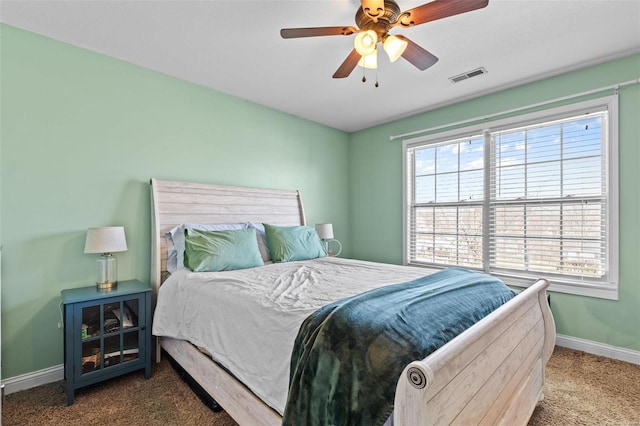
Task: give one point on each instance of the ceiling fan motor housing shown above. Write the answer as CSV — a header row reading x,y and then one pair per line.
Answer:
x,y
381,24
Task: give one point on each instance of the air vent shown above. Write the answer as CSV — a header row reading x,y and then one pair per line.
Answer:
x,y
468,75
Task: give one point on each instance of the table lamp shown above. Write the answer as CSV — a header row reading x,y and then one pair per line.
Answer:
x,y
106,240
325,232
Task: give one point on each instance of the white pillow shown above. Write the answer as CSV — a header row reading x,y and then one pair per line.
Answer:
x,y
262,241
175,240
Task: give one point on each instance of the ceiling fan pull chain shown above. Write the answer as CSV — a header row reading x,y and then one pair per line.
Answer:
x,y
376,77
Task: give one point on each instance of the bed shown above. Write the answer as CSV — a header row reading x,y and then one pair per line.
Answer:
x,y
491,373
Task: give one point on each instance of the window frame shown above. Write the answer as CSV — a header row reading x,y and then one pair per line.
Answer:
x,y
606,289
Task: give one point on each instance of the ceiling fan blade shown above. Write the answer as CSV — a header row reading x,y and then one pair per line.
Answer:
x,y
348,65
438,9
373,8
317,31
418,56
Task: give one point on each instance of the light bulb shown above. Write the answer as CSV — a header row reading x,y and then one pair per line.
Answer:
x,y
365,42
395,47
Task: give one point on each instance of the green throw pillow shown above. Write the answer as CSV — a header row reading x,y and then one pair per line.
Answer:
x,y
212,251
289,243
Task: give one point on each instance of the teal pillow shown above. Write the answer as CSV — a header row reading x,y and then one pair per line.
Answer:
x,y
289,243
213,251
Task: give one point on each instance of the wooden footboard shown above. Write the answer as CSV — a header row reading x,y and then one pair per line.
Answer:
x,y
493,373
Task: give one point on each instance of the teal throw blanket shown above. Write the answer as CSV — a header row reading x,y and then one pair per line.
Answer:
x,y
349,355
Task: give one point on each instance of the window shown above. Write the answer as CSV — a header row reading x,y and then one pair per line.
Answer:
x,y
528,197
447,203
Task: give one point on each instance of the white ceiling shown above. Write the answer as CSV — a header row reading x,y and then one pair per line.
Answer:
x,y
235,47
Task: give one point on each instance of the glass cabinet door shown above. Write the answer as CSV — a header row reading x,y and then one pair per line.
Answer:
x,y
110,334
90,332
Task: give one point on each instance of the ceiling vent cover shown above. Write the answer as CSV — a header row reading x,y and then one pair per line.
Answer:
x,y
468,75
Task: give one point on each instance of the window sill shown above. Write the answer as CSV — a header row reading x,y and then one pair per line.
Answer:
x,y
602,291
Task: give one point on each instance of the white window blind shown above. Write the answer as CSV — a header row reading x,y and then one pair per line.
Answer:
x,y
446,214
517,200
548,198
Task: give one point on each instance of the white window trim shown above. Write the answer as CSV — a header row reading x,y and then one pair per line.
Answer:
x,y
607,290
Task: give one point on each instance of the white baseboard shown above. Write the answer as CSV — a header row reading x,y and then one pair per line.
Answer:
x,y
596,348
36,378
55,373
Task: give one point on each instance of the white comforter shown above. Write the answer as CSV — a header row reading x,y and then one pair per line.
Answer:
x,y
248,319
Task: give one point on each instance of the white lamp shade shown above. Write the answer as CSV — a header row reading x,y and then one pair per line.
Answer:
x,y
325,231
106,239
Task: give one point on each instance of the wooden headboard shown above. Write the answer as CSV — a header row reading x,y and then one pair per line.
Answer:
x,y
174,203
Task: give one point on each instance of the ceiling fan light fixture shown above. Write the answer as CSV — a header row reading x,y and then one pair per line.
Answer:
x,y
369,61
395,47
365,42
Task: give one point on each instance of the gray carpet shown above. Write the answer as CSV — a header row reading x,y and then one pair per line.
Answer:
x,y
581,389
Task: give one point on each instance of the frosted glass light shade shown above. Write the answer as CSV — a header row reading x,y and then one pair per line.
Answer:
x,y
325,231
369,61
395,47
365,42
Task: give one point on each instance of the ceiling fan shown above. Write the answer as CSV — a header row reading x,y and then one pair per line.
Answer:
x,y
375,19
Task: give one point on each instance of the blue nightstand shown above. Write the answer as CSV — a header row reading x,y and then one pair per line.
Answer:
x,y
106,334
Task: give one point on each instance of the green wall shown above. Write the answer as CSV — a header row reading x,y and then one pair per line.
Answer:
x,y
376,193
81,135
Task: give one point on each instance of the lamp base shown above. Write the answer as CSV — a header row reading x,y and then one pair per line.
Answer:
x,y
329,251
107,272
107,286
